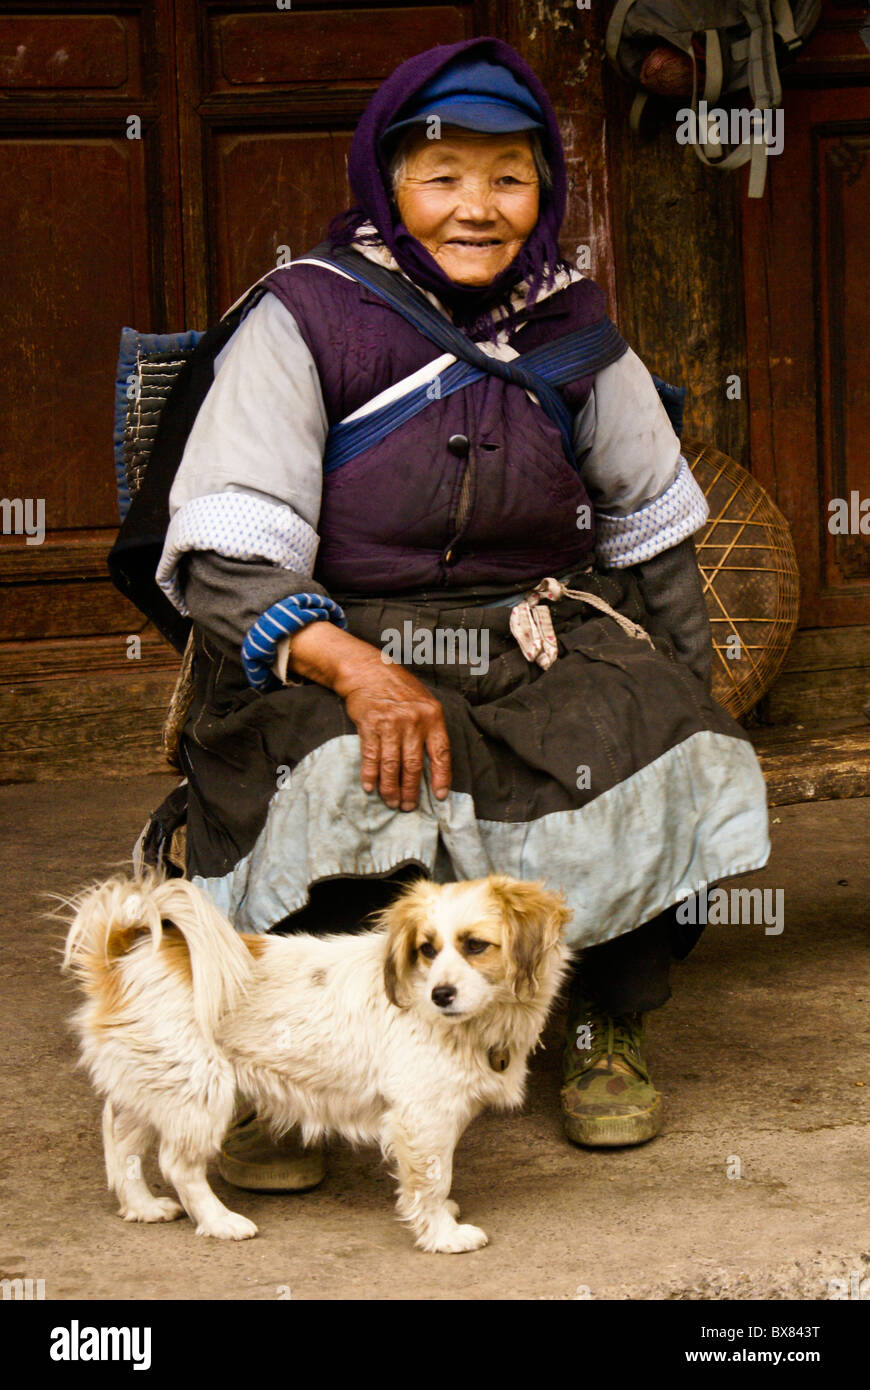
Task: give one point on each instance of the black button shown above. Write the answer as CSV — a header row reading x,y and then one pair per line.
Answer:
x,y
458,445
450,557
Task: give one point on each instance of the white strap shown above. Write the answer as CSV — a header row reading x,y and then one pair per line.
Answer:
x,y
784,24
633,629
613,36
303,260
637,109
427,373
714,73
757,170
324,265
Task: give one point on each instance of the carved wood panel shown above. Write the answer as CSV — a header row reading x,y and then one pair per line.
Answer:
x,y
808,331
300,181
844,217
69,51
334,45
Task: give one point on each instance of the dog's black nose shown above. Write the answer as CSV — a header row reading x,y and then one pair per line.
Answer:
x,y
443,995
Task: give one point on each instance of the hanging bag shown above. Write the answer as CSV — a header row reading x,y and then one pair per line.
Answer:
x,y
738,44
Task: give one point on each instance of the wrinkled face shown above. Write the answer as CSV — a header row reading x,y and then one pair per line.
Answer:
x,y
453,949
471,200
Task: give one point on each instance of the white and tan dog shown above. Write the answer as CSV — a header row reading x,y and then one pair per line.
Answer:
x,y
397,1036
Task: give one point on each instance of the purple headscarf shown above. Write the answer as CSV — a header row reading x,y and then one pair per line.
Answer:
x,y
370,183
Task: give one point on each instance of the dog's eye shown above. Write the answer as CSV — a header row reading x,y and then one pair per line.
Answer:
x,y
428,950
473,947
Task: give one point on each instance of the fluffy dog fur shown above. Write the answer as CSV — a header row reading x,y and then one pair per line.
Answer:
x,y
397,1036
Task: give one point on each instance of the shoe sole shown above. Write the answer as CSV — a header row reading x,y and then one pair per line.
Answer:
x,y
297,1176
614,1131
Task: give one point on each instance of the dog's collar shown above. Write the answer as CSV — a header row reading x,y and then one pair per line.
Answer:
x,y
499,1058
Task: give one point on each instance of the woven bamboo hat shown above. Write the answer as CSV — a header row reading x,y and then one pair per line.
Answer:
x,y
750,574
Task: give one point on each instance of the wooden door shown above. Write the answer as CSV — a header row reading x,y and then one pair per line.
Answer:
x,y
90,241
807,295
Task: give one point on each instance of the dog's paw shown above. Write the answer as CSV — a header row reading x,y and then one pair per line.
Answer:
x,y
230,1226
460,1239
158,1209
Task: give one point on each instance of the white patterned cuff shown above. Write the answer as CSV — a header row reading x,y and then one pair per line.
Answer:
x,y
627,540
239,527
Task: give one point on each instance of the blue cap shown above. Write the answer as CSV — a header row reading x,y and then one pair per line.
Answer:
x,y
475,95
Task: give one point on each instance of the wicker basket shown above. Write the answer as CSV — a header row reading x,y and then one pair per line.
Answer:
x,y
749,567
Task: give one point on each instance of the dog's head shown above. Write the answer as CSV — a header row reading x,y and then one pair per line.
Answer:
x,y
457,947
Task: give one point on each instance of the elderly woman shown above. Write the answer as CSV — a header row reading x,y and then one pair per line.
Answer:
x,y
357,537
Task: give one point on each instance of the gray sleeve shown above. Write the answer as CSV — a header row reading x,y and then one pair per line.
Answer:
x,y
640,485
262,426
250,480
226,597
630,454
671,588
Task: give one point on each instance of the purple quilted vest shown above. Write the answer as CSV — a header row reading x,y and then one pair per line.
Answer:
x,y
476,488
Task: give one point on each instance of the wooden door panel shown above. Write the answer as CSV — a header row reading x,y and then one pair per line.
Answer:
x,y
844,318
62,201
294,180
808,335
61,590
335,46
67,52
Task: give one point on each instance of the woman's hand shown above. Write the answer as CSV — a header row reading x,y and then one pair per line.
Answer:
x,y
396,717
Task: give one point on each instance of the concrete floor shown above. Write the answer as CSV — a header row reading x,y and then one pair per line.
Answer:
x,y
761,1055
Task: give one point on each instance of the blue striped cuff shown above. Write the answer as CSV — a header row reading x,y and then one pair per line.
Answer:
x,y
279,621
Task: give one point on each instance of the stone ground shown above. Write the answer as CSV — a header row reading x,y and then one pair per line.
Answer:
x,y
761,1056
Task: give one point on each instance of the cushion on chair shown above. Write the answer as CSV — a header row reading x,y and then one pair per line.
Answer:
x,y
148,364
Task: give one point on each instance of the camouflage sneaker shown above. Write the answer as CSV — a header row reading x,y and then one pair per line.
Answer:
x,y
602,1105
249,1157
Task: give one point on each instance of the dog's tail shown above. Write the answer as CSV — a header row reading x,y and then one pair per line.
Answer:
x,y
112,917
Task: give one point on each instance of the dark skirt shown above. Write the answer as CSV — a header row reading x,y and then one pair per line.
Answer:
x,y
613,776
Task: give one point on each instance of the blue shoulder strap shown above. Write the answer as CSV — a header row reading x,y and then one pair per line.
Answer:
x,y
576,354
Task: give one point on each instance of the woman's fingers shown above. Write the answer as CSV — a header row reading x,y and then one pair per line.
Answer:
x,y
392,757
440,770
390,764
412,768
369,758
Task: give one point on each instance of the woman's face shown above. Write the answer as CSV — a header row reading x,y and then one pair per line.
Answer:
x,y
471,200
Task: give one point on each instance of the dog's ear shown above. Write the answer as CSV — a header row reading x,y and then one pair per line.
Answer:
x,y
533,919
401,921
